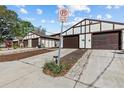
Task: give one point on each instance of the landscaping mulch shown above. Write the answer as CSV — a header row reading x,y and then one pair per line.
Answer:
x,y
69,61
21,55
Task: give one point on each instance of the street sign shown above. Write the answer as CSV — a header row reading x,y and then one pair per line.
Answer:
x,y
63,14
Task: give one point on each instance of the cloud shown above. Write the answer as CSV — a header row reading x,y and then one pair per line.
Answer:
x,y
74,8
99,16
79,8
113,6
109,7
39,11
23,11
43,21
90,16
117,6
60,6
108,16
52,21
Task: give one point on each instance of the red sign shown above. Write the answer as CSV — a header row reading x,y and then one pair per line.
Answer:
x,y
63,14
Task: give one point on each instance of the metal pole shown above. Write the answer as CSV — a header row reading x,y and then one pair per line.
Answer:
x,y
59,51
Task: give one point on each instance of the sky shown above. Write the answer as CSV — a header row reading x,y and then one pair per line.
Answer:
x,y
47,15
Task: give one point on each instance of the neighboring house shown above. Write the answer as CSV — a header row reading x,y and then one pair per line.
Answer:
x,y
35,39
56,35
95,34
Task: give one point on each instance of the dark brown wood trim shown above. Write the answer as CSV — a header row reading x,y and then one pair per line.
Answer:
x,y
66,33
81,29
48,43
113,26
85,35
100,26
73,30
86,25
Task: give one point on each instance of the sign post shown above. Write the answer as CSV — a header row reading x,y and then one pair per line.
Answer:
x,y
63,15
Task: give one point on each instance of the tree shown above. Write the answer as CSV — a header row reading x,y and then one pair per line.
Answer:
x,y
11,25
41,30
22,28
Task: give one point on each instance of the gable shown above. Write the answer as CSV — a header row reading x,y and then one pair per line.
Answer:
x,y
92,25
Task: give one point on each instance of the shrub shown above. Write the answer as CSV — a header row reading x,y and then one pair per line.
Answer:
x,y
15,46
54,68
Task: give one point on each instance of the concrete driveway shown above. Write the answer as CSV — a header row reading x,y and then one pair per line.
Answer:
x,y
97,68
28,72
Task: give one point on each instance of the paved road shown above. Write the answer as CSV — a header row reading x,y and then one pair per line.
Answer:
x,y
97,68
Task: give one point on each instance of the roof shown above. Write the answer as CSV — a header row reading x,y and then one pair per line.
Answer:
x,y
55,34
95,20
44,36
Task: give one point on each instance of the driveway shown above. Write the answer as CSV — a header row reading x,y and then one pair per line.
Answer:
x,y
97,68
28,72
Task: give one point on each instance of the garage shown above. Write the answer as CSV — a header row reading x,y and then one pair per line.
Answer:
x,y
35,42
71,41
25,43
106,40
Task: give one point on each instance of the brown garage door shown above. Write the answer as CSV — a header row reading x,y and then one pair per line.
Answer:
x,y
25,43
71,41
108,40
35,42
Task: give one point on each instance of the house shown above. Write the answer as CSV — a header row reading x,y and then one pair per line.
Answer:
x,y
94,34
57,35
37,39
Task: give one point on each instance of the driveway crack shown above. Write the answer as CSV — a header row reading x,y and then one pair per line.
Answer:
x,y
105,69
84,67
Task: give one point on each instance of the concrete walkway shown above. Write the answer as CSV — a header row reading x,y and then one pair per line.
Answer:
x,y
28,72
97,68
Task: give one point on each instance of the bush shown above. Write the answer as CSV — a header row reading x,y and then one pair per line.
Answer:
x,y
54,68
15,46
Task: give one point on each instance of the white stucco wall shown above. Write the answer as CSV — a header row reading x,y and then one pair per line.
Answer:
x,y
29,43
70,32
122,39
116,26
95,27
81,41
63,33
106,26
83,29
88,40
77,30
87,21
87,29
39,41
